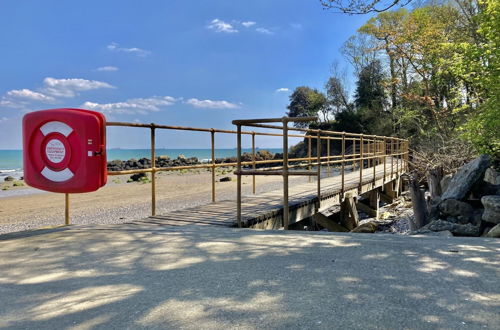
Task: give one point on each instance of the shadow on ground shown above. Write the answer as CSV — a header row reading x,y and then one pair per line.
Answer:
x,y
136,276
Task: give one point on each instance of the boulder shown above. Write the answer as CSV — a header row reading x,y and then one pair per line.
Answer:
x,y
492,176
456,208
9,178
456,229
491,208
368,227
137,176
445,182
463,181
225,179
494,232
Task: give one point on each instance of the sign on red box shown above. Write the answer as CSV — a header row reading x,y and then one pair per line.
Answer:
x,y
64,150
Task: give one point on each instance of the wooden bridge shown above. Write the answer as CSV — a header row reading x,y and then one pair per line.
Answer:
x,y
363,165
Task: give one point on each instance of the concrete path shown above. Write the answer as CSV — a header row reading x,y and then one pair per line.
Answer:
x,y
211,277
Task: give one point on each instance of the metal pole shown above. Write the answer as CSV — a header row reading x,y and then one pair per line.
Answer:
x,y
238,169
309,155
374,164
384,148
253,160
361,162
392,158
328,154
318,149
66,209
343,162
285,174
353,154
153,176
212,133
397,157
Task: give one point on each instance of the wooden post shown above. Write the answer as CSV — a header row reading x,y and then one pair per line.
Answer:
x,y
253,161
212,133
419,206
375,201
66,209
153,172
286,217
238,169
349,213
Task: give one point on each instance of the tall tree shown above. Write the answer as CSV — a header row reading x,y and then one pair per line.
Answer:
x,y
306,102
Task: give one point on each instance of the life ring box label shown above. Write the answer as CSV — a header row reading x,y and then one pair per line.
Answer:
x,y
64,150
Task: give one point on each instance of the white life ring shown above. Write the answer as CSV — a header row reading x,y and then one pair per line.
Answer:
x,y
55,151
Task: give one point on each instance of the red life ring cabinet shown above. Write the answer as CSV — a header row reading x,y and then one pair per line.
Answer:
x,y
64,150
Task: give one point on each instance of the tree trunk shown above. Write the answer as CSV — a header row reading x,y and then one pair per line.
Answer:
x,y
419,206
434,177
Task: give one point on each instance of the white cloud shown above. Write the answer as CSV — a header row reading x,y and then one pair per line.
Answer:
x,y
248,24
29,95
220,26
210,104
282,90
264,30
2,119
107,68
134,50
71,87
132,106
296,26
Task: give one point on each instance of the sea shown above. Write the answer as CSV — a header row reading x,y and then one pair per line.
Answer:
x,y
11,161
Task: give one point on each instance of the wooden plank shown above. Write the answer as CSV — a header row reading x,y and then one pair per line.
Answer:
x,y
270,204
328,223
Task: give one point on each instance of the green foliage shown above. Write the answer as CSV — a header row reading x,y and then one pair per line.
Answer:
x,y
18,184
306,102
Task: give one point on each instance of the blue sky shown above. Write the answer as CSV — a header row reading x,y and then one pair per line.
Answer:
x,y
186,63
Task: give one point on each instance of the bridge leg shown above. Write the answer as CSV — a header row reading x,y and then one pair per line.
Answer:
x,y
349,213
375,201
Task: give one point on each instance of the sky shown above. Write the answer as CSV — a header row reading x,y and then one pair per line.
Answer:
x,y
183,63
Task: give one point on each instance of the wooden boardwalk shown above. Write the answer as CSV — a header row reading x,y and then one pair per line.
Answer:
x,y
261,207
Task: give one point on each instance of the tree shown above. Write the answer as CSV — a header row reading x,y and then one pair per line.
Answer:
x,y
362,6
370,100
306,102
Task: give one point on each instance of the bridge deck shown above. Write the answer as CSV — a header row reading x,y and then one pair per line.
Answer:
x,y
258,208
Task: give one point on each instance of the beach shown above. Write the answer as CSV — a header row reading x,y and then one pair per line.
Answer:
x,y
25,208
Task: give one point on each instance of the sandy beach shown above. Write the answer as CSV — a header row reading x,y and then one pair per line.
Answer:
x,y
24,208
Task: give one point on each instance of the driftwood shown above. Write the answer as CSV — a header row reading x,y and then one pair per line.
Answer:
x,y
419,206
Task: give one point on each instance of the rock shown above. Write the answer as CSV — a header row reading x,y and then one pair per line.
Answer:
x,y
456,229
491,208
181,156
455,208
492,176
445,181
494,232
138,176
9,178
462,182
163,157
368,227
225,179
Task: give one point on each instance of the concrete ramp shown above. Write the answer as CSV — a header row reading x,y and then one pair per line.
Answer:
x,y
146,276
